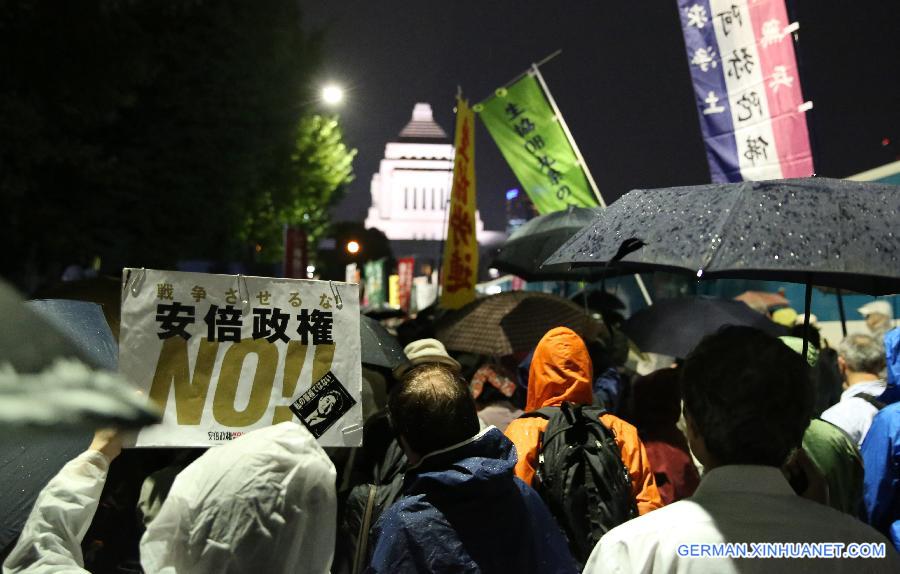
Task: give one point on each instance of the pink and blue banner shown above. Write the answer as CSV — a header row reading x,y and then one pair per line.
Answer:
x,y
747,87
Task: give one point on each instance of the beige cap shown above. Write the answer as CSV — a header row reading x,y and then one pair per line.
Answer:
x,y
879,306
427,351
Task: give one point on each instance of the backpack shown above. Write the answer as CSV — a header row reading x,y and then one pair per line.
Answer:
x,y
581,475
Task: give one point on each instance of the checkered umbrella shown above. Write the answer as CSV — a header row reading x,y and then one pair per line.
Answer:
x,y
511,322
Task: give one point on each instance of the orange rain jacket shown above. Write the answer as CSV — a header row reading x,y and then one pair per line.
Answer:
x,y
561,370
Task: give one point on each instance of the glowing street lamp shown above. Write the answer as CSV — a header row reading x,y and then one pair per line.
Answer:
x,y
353,247
332,95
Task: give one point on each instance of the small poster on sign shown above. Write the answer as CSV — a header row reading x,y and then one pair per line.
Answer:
x,y
222,355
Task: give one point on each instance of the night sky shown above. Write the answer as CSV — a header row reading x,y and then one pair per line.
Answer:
x,y
622,82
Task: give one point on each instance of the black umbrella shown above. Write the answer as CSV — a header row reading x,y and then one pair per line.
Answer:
x,y
813,230
526,249
674,326
378,347
825,231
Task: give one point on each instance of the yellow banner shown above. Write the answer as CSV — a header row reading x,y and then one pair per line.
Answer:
x,y
459,272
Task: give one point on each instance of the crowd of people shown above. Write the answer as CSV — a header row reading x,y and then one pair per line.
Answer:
x,y
564,460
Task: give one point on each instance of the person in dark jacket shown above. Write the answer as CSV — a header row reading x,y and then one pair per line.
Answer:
x,y
654,408
462,508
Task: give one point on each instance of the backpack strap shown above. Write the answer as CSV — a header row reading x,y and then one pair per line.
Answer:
x,y
362,545
872,400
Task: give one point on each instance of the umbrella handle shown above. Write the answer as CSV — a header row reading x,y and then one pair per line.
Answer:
x,y
807,301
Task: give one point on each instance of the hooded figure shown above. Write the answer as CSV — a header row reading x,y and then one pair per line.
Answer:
x,y
560,371
262,503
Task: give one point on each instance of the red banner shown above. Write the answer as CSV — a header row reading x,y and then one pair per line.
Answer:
x,y
405,269
296,257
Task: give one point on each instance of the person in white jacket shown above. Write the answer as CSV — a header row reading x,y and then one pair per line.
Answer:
x,y
262,503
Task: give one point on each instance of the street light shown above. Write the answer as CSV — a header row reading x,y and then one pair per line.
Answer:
x,y
353,247
332,95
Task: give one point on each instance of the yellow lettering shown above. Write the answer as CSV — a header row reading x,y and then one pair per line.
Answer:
x,y
229,377
172,370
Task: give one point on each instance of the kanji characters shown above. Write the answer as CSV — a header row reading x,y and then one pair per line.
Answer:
x,y
460,273
223,324
780,78
513,111
712,107
696,16
756,149
524,127
771,32
165,291
742,63
727,18
173,320
198,293
318,324
270,324
746,104
460,224
704,58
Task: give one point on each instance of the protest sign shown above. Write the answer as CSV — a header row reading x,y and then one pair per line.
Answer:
x,y
222,355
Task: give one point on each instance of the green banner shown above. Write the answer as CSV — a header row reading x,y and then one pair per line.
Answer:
x,y
522,123
376,295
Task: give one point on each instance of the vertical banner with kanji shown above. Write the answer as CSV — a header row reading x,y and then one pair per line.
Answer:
x,y
522,122
747,88
375,286
459,272
405,269
222,355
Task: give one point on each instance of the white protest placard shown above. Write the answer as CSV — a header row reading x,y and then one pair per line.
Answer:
x,y
222,355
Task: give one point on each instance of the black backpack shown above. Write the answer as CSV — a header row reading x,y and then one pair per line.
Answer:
x,y
581,476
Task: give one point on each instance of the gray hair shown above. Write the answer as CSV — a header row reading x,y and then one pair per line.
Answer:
x,y
862,353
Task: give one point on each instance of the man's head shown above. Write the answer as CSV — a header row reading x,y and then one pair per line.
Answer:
x,y
878,314
861,353
431,409
747,398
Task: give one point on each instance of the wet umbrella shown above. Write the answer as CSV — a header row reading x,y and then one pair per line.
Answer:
x,y
511,322
827,231
813,230
47,413
378,347
673,327
525,250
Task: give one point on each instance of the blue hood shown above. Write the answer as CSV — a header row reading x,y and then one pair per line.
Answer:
x,y
484,463
892,354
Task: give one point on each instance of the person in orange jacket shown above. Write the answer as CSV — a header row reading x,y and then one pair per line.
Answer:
x,y
561,370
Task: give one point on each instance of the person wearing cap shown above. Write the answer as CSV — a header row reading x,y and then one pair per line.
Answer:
x,y
861,359
425,351
879,317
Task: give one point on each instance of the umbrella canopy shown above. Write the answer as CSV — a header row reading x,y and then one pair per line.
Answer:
x,y
812,230
511,322
54,379
673,327
526,249
378,347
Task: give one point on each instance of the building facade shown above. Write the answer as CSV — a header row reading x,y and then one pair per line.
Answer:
x,y
411,190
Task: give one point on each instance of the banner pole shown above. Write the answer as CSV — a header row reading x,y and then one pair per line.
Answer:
x,y
582,163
